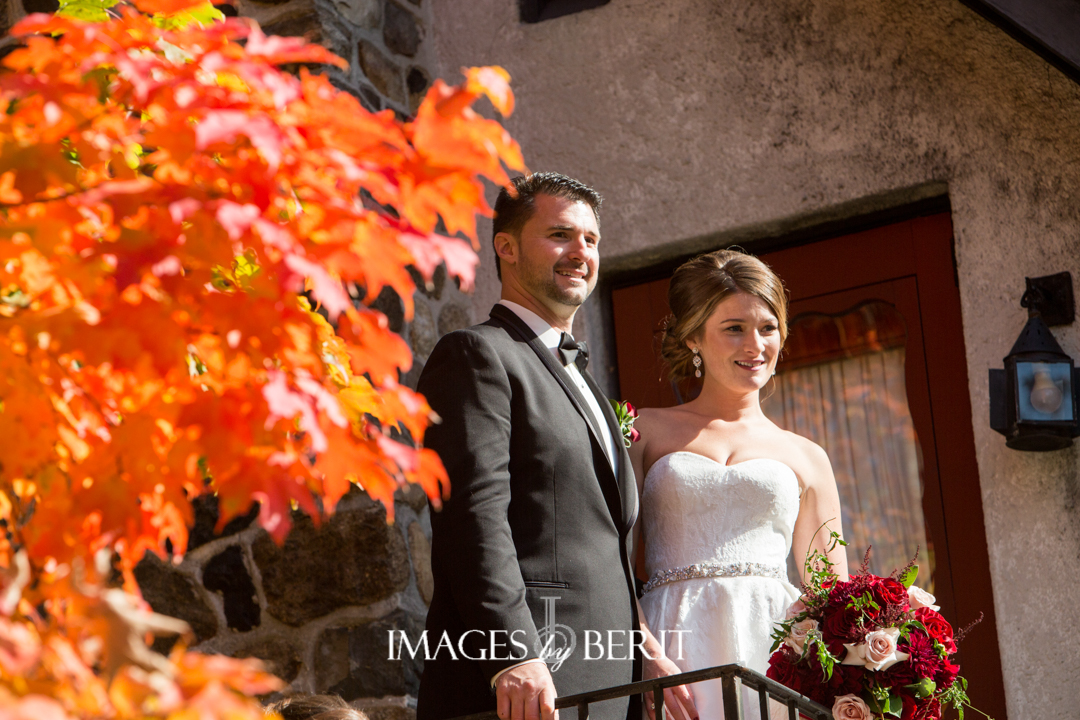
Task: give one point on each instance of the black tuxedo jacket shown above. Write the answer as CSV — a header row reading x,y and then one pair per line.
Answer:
x,y
535,513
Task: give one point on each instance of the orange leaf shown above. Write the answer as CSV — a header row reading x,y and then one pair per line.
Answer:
x,y
494,82
167,7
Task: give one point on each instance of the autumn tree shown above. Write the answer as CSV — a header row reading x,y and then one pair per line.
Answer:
x,y
181,225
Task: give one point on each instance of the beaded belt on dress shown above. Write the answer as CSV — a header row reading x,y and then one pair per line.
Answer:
x,y
713,569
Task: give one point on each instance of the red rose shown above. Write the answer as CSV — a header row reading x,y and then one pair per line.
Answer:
x,y
847,679
782,669
937,627
839,626
911,706
840,592
630,409
812,681
920,709
932,709
890,592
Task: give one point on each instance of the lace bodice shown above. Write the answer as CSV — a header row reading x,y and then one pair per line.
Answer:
x,y
697,510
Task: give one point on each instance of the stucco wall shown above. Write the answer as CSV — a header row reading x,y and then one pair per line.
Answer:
x,y
705,122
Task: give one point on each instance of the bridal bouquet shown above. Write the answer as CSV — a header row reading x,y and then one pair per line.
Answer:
x,y
869,647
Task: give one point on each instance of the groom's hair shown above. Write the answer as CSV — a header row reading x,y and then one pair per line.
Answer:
x,y
517,202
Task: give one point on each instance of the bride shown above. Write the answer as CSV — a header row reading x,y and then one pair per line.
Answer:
x,y
725,493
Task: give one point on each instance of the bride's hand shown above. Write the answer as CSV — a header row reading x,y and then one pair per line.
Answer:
x,y
679,700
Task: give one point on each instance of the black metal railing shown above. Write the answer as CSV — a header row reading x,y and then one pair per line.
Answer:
x,y
796,704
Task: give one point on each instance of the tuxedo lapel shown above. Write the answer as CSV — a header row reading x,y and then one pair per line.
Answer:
x,y
516,325
626,481
621,492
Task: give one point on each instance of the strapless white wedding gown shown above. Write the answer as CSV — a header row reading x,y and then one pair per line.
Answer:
x,y
717,539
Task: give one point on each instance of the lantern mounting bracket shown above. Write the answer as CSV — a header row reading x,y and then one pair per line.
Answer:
x,y
1051,297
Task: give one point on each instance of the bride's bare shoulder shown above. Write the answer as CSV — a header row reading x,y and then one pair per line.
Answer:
x,y
808,459
659,416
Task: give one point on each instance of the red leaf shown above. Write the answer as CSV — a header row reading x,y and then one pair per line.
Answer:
x,y
236,218
461,260
289,50
224,125
34,707
330,293
287,403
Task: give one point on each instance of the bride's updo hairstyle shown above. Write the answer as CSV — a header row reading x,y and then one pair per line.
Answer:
x,y
699,285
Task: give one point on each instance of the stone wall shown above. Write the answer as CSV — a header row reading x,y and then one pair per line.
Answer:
x,y
317,609
382,40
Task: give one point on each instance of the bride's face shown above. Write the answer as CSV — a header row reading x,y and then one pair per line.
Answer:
x,y
739,343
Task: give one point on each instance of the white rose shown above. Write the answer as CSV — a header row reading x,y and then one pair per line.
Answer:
x,y
876,652
851,707
796,640
919,598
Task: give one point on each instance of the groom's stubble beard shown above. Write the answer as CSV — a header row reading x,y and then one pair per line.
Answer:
x,y
541,282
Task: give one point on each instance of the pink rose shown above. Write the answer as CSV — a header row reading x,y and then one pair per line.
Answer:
x,y
877,651
796,640
795,609
851,707
919,598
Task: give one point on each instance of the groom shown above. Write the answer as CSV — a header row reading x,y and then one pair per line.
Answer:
x,y
533,581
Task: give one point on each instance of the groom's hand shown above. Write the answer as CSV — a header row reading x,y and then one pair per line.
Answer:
x,y
526,692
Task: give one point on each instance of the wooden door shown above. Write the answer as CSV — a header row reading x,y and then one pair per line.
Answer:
x,y
910,266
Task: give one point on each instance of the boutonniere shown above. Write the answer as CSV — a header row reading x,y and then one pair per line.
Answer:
x,y
626,414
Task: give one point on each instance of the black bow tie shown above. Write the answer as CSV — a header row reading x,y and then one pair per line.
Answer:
x,y
572,351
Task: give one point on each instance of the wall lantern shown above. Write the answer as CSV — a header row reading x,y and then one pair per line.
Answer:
x,y
1033,401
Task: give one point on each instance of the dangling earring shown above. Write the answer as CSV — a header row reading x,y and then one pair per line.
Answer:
x,y
697,363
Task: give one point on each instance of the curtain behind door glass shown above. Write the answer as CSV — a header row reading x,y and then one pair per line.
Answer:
x,y
856,409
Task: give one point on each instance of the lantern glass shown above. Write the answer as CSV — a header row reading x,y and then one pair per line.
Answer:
x,y
1044,392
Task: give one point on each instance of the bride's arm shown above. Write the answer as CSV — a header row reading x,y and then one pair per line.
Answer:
x,y
819,511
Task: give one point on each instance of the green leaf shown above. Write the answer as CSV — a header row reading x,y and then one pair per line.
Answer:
x,y
88,10
896,705
15,297
246,267
908,578
196,366
202,14
877,707
923,688
910,625
825,658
